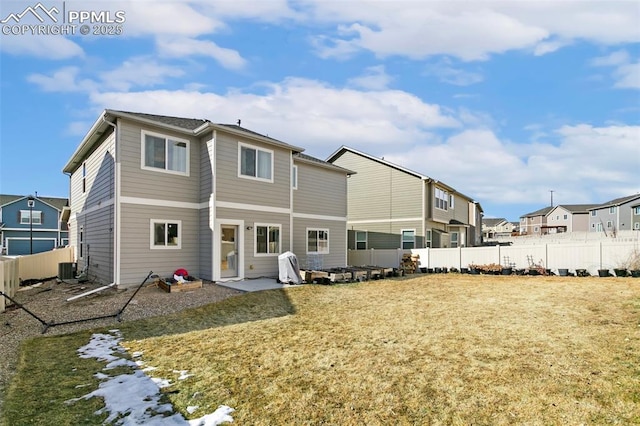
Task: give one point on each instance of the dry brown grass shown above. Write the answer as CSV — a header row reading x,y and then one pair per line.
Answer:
x,y
436,349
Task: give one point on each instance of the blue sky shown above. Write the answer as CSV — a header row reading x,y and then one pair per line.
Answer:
x,y
503,100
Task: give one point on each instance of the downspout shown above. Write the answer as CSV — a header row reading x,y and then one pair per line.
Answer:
x,y
116,202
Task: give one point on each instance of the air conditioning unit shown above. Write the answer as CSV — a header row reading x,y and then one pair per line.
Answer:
x,y
67,270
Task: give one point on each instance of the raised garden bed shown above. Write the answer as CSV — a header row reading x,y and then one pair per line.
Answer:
x,y
172,286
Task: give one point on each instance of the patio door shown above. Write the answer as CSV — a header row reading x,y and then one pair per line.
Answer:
x,y
229,253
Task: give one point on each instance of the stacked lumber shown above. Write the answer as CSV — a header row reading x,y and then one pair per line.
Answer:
x,y
409,263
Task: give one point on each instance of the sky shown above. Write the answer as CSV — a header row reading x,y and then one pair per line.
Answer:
x,y
134,398
512,103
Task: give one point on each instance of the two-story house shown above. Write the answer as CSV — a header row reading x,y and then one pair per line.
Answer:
x,y
496,227
393,207
158,193
567,218
614,215
31,224
533,223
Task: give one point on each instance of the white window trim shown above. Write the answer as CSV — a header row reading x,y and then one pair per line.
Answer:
x,y
402,231
365,241
257,148
636,226
152,244
255,239
444,199
27,214
294,177
166,138
317,230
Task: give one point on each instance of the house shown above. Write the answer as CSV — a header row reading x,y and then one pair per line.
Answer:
x,y
496,227
614,215
159,193
393,207
32,224
533,223
567,218
635,218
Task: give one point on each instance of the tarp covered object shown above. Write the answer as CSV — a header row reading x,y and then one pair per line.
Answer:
x,y
289,271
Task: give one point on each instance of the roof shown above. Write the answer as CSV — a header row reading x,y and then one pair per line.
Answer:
x,y
340,151
188,126
576,208
493,221
617,202
55,202
313,160
541,212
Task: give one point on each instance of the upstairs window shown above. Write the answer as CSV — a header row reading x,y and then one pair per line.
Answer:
x,y
33,217
294,177
612,209
441,199
165,153
255,162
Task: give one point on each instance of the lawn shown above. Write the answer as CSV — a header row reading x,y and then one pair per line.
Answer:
x,y
434,349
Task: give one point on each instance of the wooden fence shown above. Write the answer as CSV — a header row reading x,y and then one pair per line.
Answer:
x,y
33,267
591,256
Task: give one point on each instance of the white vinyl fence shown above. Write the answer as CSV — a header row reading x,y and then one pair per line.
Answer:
x,y
580,255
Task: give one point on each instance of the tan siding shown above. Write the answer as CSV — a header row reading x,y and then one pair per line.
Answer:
x,y
378,191
138,182
231,188
320,191
137,259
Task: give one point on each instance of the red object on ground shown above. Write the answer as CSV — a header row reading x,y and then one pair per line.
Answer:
x,y
181,272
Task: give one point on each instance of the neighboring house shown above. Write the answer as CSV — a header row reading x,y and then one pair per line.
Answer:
x,y
393,207
32,225
568,218
635,218
158,193
613,216
496,227
533,223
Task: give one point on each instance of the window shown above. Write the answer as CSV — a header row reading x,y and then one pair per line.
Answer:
x,y
294,177
166,234
636,210
565,217
267,239
164,153
594,213
599,227
361,240
427,238
612,209
609,224
454,239
441,199
255,162
84,177
25,216
317,241
636,225
408,238
81,243
451,201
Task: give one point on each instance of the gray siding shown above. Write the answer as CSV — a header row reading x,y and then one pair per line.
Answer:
x,y
137,258
320,191
232,188
143,183
258,266
98,244
337,256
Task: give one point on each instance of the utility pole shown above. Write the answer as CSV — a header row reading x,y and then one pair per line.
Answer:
x,y
551,191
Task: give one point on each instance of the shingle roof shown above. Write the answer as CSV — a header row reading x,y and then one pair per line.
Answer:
x,y
540,212
578,208
320,162
56,202
185,123
617,201
493,221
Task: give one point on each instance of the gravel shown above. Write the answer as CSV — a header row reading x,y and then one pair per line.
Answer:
x,y
48,300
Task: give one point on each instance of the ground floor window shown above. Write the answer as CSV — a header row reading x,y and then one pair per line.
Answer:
x,y
361,240
317,241
166,234
267,239
427,238
455,239
408,239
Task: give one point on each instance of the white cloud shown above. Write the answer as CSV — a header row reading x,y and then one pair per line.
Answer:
x,y
183,47
625,72
46,47
139,72
447,73
619,57
374,78
63,80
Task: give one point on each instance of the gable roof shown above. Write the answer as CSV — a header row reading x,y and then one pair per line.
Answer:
x,y
340,151
55,202
616,202
188,126
575,208
493,221
541,212
318,162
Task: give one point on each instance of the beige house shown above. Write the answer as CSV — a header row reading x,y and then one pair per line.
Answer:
x,y
393,207
496,227
568,218
158,193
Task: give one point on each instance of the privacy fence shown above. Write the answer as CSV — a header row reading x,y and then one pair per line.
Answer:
x,y
32,267
591,256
